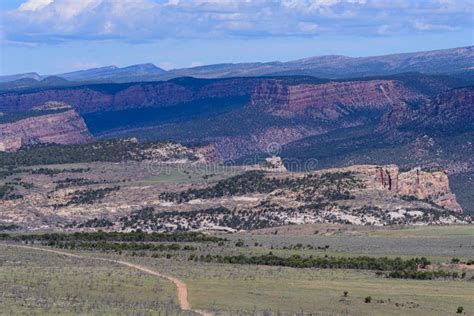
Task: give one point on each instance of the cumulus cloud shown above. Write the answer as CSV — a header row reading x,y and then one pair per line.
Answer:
x,y
148,20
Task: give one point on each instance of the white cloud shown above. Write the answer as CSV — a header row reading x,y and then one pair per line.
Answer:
x,y
316,4
71,8
34,5
421,26
143,20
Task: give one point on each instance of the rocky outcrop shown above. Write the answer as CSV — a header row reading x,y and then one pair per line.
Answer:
x,y
9,142
65,127
431,185
52,106
209,153
329,101
274,164
170,152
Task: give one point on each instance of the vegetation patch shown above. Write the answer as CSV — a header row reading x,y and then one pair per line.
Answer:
x,y
336,186
89,196
52,172
12,117
111,150
117,246
137,236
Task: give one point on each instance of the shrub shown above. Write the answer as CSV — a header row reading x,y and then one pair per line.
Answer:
x,y
346,293
368,299
460,310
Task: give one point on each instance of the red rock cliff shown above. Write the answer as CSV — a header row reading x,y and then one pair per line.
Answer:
x,y
429,185
329,101
61,128
114,97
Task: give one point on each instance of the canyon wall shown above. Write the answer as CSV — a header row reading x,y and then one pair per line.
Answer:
x,y
291,112
60,128
329,101
115,97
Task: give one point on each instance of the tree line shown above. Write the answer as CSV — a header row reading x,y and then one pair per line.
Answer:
x,y
107,246
136,236
326,262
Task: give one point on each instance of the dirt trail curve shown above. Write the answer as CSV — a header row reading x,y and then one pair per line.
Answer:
x,y
181,286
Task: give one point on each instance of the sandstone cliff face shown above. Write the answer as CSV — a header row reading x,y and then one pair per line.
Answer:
x,y
87,100
114,97
329,101
429,185
326,101
60,128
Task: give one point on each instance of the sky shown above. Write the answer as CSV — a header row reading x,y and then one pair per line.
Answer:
x,y
56,36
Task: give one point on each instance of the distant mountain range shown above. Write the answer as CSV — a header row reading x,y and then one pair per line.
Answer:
x,y
29,75
457,62
454,61
114,73
101,74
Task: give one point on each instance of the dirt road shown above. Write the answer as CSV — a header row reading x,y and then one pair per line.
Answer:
x,y
181,286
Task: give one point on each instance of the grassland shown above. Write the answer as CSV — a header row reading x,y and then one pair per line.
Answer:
x,y
226,289
428,231
39,283
438,243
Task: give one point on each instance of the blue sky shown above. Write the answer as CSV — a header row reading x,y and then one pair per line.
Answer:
x,y
53,36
